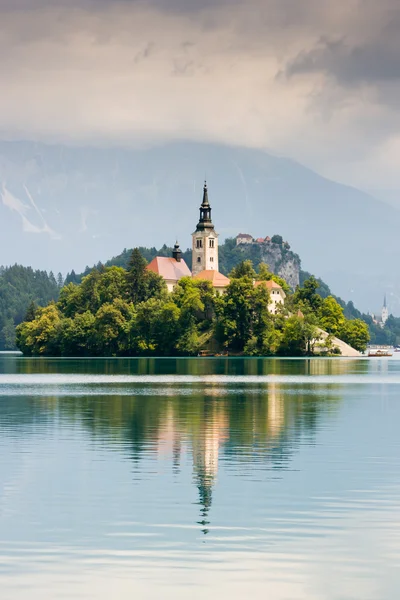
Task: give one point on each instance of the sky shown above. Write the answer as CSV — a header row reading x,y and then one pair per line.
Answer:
x,y
315,80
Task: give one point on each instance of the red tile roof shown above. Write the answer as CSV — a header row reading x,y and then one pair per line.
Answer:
x,y
260,240
216,278
270,285
169,268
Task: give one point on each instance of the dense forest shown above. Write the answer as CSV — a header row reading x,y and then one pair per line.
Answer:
x,y
128,312
20,288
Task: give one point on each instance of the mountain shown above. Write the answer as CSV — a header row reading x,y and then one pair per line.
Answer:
x,y
64,207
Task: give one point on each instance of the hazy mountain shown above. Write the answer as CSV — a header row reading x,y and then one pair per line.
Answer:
x,y
65,207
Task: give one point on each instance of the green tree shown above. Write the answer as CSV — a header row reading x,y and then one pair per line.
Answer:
x,y
142,284
112,284
331,317
298,337
243,269
356,334
277,239
7,335
113,328
242,313
19,286
78,335
40,336
306,297
31,311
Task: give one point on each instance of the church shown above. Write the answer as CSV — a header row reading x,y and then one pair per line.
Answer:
x,y
205,260
204,255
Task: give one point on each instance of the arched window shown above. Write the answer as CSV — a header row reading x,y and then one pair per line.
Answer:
x,y
211,243
198,259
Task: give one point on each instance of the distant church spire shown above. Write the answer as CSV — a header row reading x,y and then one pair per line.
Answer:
x,y
385,311
205,212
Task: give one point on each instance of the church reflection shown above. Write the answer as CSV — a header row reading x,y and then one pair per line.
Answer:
x,y
246,425
205,449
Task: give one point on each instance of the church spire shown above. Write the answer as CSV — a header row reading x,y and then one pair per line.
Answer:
x,y
205,212
177,252
205,202
384,301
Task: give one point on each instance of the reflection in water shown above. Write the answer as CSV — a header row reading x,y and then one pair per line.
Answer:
x,y
280,478
260,424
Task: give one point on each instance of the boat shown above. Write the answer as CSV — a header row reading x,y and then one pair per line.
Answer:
x,y
380,351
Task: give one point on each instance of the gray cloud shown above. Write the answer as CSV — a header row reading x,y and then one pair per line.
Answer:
x,y
369,63
129,71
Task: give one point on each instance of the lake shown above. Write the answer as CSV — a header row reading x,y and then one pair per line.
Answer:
x,y
199,478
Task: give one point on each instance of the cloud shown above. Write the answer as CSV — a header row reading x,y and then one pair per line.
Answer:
x,y
308,78
372,61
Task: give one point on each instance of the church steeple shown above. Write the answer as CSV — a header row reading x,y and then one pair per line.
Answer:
x,y
385,312
177,252
205,240
205,212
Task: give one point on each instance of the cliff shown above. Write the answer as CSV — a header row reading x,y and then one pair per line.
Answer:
x,y
278,256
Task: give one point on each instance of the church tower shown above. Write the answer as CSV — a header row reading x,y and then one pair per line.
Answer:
x,y
385,312
205,240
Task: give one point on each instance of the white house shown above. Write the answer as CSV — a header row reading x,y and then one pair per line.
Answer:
x,y
276,294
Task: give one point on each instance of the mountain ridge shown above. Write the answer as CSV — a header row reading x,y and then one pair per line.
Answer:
x,y
68,206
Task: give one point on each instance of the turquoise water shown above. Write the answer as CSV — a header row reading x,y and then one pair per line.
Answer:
x,y
193,478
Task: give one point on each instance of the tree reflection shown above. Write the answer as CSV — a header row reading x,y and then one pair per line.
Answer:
x,y
250,425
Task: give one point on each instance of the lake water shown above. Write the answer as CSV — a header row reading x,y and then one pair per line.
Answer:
x,y
199,478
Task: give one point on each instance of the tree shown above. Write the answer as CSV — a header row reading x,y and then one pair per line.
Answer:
x,y
306,297
19,287
136,277
142,284
40,336
356,334
157,327
112,328
60,281
7,335
31,311
112,284
277,239
243,269
77,335
242,313
298,337
330,315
